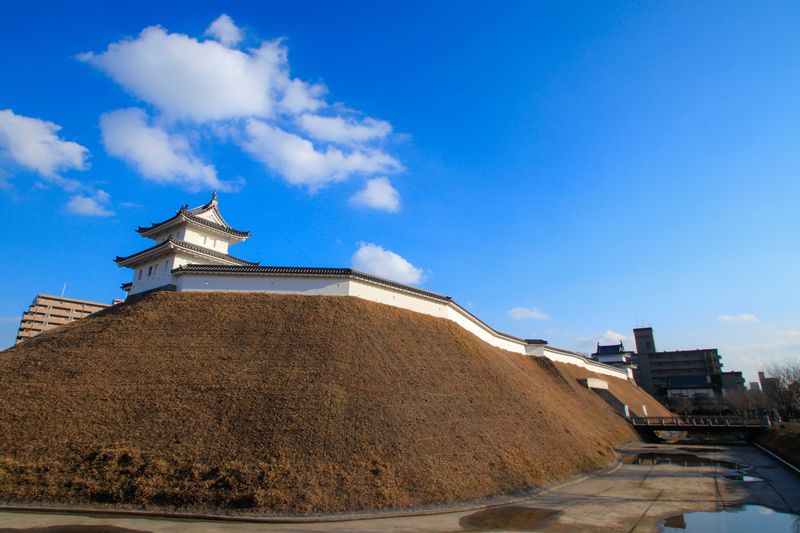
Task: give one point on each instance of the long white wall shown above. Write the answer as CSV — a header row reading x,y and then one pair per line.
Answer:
x,y
564,356
394,296
276,284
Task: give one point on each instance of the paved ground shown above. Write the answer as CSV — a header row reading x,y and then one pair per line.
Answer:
x,y
634,497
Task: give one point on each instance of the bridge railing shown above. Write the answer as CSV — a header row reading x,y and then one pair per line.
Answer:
x,y
698,421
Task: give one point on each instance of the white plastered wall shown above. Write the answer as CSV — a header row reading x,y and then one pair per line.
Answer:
x,y
437,308
396,297
207,240
212,216
280,285
160,274
563,356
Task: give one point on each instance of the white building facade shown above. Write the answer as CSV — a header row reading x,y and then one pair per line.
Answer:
x,y
191,254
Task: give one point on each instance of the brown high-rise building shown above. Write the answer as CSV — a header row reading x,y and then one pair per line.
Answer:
x,y
645,341
658,372
48,312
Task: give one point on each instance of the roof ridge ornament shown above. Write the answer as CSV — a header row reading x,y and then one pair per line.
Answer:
x,y
213,201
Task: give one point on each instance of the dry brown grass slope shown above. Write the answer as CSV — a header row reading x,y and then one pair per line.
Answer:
x,y
284,405
623,390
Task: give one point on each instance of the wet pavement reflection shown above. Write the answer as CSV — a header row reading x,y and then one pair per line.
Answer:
x,y
745,518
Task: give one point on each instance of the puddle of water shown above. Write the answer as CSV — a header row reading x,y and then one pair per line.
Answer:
x,y
699,449
746,518
681,459
508,518
738,476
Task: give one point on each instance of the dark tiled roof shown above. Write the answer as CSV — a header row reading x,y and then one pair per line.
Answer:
x,y
536,341
191,216
610,349
211,205
186,246
126,286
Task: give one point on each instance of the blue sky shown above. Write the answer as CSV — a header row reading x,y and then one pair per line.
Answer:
x,y
565,170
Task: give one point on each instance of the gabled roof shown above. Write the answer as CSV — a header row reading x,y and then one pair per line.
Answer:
x,y
609,349
212,205
184,214
171,244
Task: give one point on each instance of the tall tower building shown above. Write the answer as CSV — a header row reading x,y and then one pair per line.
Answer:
x,y
645,342
664,374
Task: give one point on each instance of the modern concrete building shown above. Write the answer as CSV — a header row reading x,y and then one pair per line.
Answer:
x,y
691,387
48,312
654,370
645,342
769,386
732,381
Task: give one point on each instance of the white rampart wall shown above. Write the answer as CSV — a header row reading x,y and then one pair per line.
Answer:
x,y
563,356
280,285
433,307
376,292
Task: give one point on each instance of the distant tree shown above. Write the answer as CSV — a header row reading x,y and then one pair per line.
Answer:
x,y
706,406
679,405
747,403
785,395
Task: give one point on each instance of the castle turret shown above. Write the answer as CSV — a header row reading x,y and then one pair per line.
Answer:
x,y
191,237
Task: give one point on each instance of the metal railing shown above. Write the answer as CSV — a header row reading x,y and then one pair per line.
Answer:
x,y
698,421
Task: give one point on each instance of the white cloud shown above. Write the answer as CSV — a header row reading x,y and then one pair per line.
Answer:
x,y
156,154
526,313
785,339
610,336
189,79
299,96
300,163
95,205
342,130
761,347
613,336
34,144
207,80
225,31
373,259
377,193
249,96
745,317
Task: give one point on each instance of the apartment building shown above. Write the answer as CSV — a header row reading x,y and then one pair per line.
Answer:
x,y
48,312
659,372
